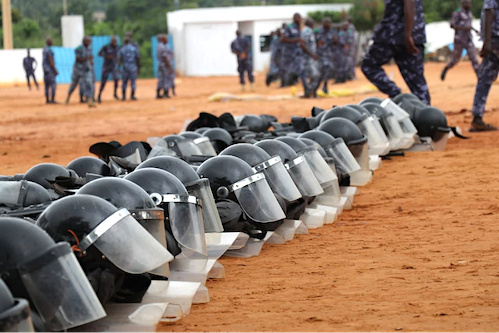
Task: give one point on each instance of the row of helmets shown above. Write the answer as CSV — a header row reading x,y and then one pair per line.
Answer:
x,y
100,229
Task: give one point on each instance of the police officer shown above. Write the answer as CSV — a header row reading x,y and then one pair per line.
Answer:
x,y
82,87
129,56
324,38
293,53
312,72
461,22
341,54
110,54
165,67
49,72
490,63
275,57
241,48
401,36
30,64
352,46
82,71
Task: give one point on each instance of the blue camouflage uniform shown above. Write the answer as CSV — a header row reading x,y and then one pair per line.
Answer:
x,y
389,43
463,39
312,71
110,66
129,54
275,60
82,87
352,50
489,67
82,72
28,68
48,73
241,44
165,75
324,40
341,56
292,56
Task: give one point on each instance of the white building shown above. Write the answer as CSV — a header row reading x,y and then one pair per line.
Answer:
x,y
202,37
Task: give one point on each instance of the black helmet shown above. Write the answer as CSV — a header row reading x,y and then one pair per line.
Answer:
x,y
322,138
23,193
344,112
345,129
95,227
14,312
409,102
359,108
375,100
232,178
431,122
183,147
220,138
134,151
297,166
310,142
202,142
46,173
46,274
201,130
272,166
182,211
179,168
254,123
88,164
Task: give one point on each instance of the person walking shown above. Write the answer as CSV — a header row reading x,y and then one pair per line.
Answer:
x,y
241,48
82,71
110,54
129,57
165,67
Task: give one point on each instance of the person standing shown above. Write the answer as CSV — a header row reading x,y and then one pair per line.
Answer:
x,y
129,57
324,38
489,67
165,67
275,57
30,64
241,48
312,72
352,47
401,36
341,53
110,54
49,72
82,71
461,23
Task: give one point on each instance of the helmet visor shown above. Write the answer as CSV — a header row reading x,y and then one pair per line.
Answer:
x,y
188,148
440,140
363,176
319,167
153,220
343,158
201,190
161,149
10,193
17,318
395,133
257,199
377,144
303,176
60,290
127,244
331,195
205,146
278,178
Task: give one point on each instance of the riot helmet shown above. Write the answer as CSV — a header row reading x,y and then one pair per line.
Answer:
x,y
325,176
390,125
46,274
46,174
14,312
88,164
182,213
125,194
279,180
202,142
254,123
232,178
375,100
22,193
343,112
356,142
197,187
183,147
409,102
402,117
220,138
432,123
297,166
201,130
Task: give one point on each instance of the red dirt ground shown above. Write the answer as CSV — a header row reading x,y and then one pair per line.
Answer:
x,y
418,251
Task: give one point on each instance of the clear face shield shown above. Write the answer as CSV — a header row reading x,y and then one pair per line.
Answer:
x,y
325,176
60,290
439,139
303,176
401,115
257,199
17,318
331,195
153,220
378,144
127,244
343,158
159,148
186,221
205,146
12,193
201,190
187,147
278,178
361,153
394,131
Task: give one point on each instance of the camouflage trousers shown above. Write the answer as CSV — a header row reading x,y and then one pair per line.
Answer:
x,y
411,67
129,74
165,78
86,81
245,65
487,74
312,73
458,50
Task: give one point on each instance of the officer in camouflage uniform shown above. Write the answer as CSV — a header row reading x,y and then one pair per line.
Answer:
x,y
293,54
324,38
312,72
275,58
110,54
165,67
489,67
402,38
341,56
352,47
49,72
461,22
82,87
241,48
129,57
82,71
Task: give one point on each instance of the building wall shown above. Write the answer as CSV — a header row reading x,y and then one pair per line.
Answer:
x,y
13,72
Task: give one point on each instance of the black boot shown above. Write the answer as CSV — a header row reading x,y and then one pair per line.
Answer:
x,y
98,97
158,95
165,94
444,72
132,96
123,97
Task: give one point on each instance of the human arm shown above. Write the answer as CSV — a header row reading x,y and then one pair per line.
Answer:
x,y
409,26
52,64
487,43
